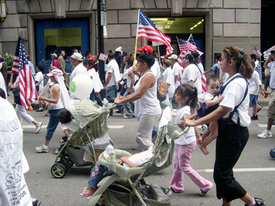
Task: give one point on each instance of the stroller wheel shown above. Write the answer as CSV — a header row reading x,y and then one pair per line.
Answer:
x,y
64,165
66,161
58,170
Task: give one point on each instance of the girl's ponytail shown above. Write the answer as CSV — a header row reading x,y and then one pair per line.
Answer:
x,y
241,60
193,98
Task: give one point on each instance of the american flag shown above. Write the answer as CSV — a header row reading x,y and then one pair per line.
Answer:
x,y
20,66
257,52
181,56
149,30
187,46
191,39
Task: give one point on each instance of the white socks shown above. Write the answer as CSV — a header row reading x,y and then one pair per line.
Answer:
x,y
253,202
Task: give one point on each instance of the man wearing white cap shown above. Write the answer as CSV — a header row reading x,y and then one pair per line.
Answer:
x,y
76,62
111,79
176,69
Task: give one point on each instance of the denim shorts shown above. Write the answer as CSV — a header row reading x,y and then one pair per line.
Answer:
x,y
253,100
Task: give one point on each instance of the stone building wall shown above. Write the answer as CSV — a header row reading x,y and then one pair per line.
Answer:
x,y
228,22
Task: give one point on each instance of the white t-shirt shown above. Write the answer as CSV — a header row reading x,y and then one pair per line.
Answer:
x,y
95,76
140,158
177,72
168,78
13,187
2,83
125,73
198,83
254,83
113,68
188,137
148,103
156,70
207,96
233,95
70,126
128,78
191,72
271,65
40,79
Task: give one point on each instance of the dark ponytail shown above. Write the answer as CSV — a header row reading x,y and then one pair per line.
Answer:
x,y
191,92
241,60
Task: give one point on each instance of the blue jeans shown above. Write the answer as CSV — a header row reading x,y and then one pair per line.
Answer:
x,y
96,175
98,99
111,93
123,89
129,106
53,122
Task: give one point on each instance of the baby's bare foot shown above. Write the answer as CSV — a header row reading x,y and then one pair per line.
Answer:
x,y
204,150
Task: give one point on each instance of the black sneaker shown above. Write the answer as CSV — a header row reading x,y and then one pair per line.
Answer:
x,y
259,202
35,202
254,117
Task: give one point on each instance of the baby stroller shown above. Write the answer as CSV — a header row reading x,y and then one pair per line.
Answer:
x,y
88,141
127,187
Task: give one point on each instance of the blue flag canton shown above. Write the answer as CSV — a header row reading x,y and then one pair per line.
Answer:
x,y
145,20
192,41
181,41
22,56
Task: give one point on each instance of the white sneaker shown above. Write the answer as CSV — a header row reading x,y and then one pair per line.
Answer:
x,y
127,117
265,134
40,149
38,127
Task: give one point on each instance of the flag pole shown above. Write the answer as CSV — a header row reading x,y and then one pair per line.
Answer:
x,y
158,53
189,37
134,63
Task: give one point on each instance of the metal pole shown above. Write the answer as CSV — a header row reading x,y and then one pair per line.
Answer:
x,y
100,42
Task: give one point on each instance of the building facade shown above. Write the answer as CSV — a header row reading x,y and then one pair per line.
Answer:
x,y
47,24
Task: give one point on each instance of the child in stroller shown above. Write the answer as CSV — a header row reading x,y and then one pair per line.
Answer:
x,y
69,125
127,161
84,124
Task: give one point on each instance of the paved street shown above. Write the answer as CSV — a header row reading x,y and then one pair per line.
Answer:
x,y
255,169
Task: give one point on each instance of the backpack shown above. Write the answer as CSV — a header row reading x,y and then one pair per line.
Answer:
x,y
16,95
204,110
161,89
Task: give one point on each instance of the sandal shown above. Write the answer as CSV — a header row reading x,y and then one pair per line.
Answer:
x,y
87,191
46,115
202,193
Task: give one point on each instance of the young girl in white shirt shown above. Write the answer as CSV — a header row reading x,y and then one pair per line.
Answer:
x,y
186,96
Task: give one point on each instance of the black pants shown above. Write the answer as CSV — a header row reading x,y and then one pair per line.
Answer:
x,y
228,152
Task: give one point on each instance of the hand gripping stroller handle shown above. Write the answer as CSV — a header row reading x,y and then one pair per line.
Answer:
x,y
173,130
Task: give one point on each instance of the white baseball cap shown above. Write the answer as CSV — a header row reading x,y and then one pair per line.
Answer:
x,y
54,54
77,56
173,56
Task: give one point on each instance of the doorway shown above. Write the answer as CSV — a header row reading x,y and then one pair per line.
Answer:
x,y
56,35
